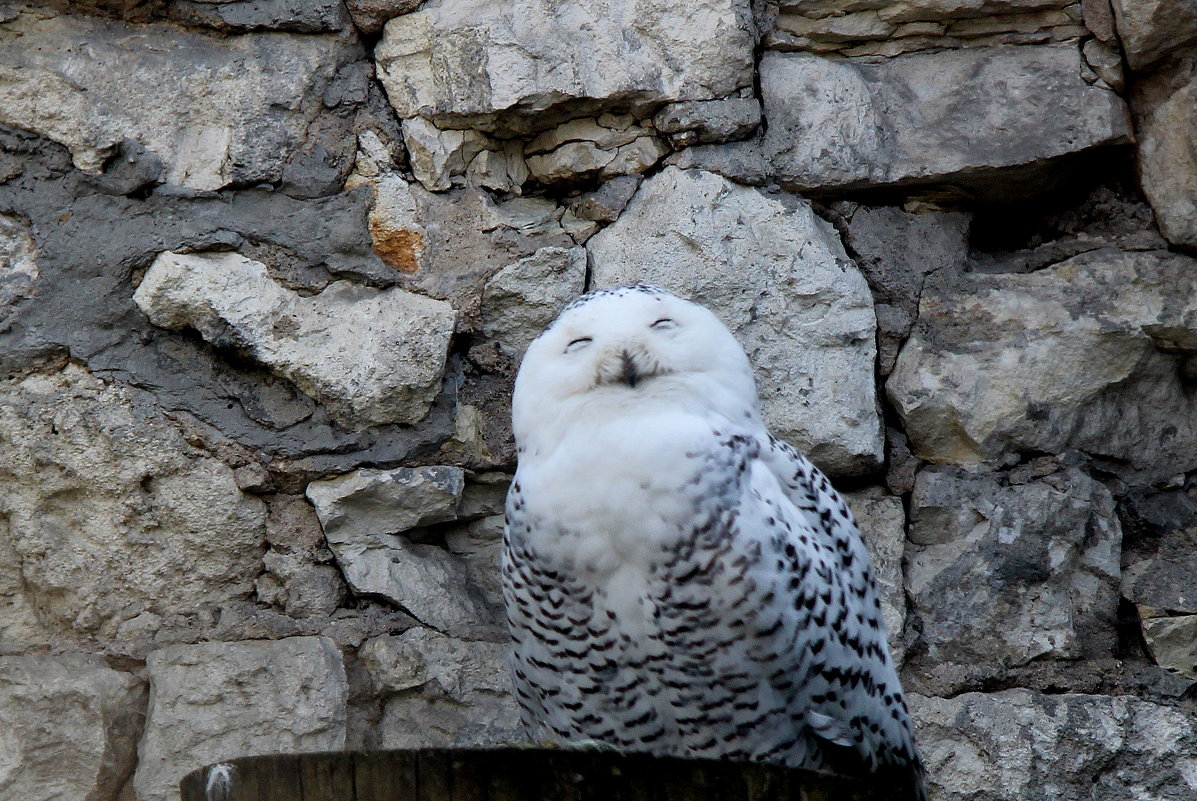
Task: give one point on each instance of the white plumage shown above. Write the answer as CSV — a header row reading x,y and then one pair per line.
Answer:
x,y
678,581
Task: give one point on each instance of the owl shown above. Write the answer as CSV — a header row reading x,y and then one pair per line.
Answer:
x,y
678,581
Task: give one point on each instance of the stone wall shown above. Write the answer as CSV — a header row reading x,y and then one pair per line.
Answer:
x,y
267,268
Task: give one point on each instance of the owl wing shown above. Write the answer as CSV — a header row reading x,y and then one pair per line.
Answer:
x,y
853,692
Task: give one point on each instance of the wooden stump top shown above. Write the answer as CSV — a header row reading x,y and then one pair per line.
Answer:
x,y
520,774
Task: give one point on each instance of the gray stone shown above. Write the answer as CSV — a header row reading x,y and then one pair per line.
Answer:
x,y
439,692
400,340
479,544
605,203
520,300
1019,745
1172,642
622,53
896,250
240,16
68,727
1152,30
442,159
882,520
1165,105
18,266
388,501
364,516
371,15
447,245
108,514
1160,549
779,278
593,148
242,123
1053,360
929,118
1035,567
220,700
706,121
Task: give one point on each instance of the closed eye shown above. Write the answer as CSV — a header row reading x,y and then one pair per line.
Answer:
x,y
664,324
578,343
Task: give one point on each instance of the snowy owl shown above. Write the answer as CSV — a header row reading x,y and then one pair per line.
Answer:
x,y
677,581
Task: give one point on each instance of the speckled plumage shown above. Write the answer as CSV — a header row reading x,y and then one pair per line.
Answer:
x,y
677,580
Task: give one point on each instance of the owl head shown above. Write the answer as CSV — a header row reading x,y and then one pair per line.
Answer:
x,y
625,348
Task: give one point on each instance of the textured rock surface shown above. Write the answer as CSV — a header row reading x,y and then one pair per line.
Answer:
x,y
365,516
915,119
1033,566
989,224
220,700
68,727
394,373
109,516
622,53
1025,746
1164,105
1052,360
214,111
1151,30
883,522
441,692
779,278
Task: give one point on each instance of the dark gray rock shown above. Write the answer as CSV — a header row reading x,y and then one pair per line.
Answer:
x,y
1159,560
1000,576
241,16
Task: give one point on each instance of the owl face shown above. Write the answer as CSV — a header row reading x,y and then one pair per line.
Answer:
x,y
630,345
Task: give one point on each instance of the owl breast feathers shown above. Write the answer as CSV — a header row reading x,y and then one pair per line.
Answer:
x,y
678,581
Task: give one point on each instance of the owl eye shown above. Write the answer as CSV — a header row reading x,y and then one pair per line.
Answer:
x,y
664,324
578,344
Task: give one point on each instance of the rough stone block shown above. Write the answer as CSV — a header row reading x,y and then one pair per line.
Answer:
x,y
1165,105
779,278
1054,360
1152,30
400,340
215,110
220,700
622,53
1019,745
952,116
520,300
68,728
999,576
1172,642
883,522
108,515
441,692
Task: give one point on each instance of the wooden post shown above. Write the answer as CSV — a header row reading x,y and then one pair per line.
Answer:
x,y
520,774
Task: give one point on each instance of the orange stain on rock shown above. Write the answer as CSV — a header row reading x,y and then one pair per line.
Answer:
x,y
400,248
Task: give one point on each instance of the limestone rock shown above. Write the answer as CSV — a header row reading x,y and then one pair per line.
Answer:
x,y
1172,642
400,340
371,15
1019,745
896,250
441,159
68,727
1054,360
107,514
447,245
388,501
605,203
242,122
365,515
239,16
589,148
704,121
220,700
520,300
929,118
1151,30
882,520
18,266
622,53
1160,549
441,692
779,278
1165,105
1033,566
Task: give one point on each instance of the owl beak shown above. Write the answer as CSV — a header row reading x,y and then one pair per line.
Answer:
x,y
629,373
